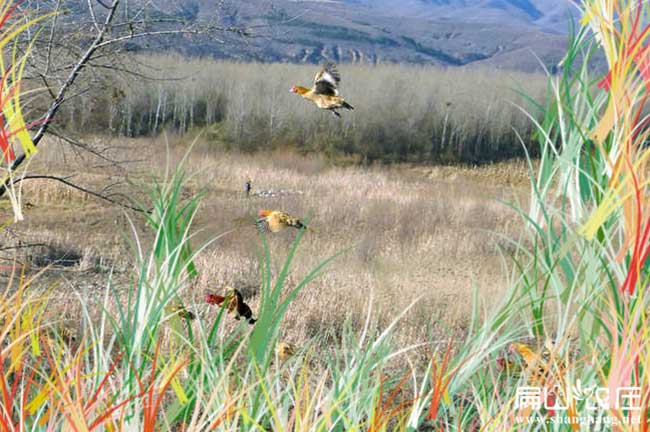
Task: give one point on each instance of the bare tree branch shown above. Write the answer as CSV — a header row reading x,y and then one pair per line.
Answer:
x,y
100,36
92,15
82,189
149,34
23,246
51,38
56,104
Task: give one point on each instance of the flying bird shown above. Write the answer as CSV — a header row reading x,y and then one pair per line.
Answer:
x,y
325,91
237,306
234,302
274,221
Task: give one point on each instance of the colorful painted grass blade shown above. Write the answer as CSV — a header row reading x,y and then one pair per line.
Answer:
x,y
12,24
626,43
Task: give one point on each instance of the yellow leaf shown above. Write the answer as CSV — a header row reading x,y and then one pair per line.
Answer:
x,y
605,125
446,398
180,393
37,402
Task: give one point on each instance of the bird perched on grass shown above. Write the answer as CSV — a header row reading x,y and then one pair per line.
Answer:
x,y
274,221
325,92
235,304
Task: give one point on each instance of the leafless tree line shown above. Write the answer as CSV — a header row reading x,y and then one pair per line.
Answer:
x,y
404,113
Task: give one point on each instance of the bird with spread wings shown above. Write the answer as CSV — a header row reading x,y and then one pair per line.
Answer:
x,y
325,91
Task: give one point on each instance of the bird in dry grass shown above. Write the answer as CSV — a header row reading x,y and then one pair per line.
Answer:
x,y
509,367
64,332
235,304
180,310
285,350
544,369
274,221
539,366
325,91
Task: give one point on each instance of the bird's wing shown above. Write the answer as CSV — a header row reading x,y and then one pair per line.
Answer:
x,y
233,303
326,82
527,354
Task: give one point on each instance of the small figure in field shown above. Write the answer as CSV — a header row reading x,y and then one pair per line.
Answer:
x,y
248,186
325,91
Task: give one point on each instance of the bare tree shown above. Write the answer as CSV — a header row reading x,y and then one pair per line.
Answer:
x,y
89,37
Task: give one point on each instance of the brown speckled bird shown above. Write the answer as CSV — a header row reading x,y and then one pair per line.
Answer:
x,y
545,369
285,350
537,365
325,91
274,221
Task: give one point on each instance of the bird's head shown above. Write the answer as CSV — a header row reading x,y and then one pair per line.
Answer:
x,y
299,90
214,299
524,351
263,213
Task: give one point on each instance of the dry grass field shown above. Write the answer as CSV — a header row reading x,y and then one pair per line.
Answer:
x,y
413,232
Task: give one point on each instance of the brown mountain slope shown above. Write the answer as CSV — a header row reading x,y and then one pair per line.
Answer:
x,y
502,33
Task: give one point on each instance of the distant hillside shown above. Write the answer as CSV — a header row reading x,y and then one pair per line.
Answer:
x,y
512,34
